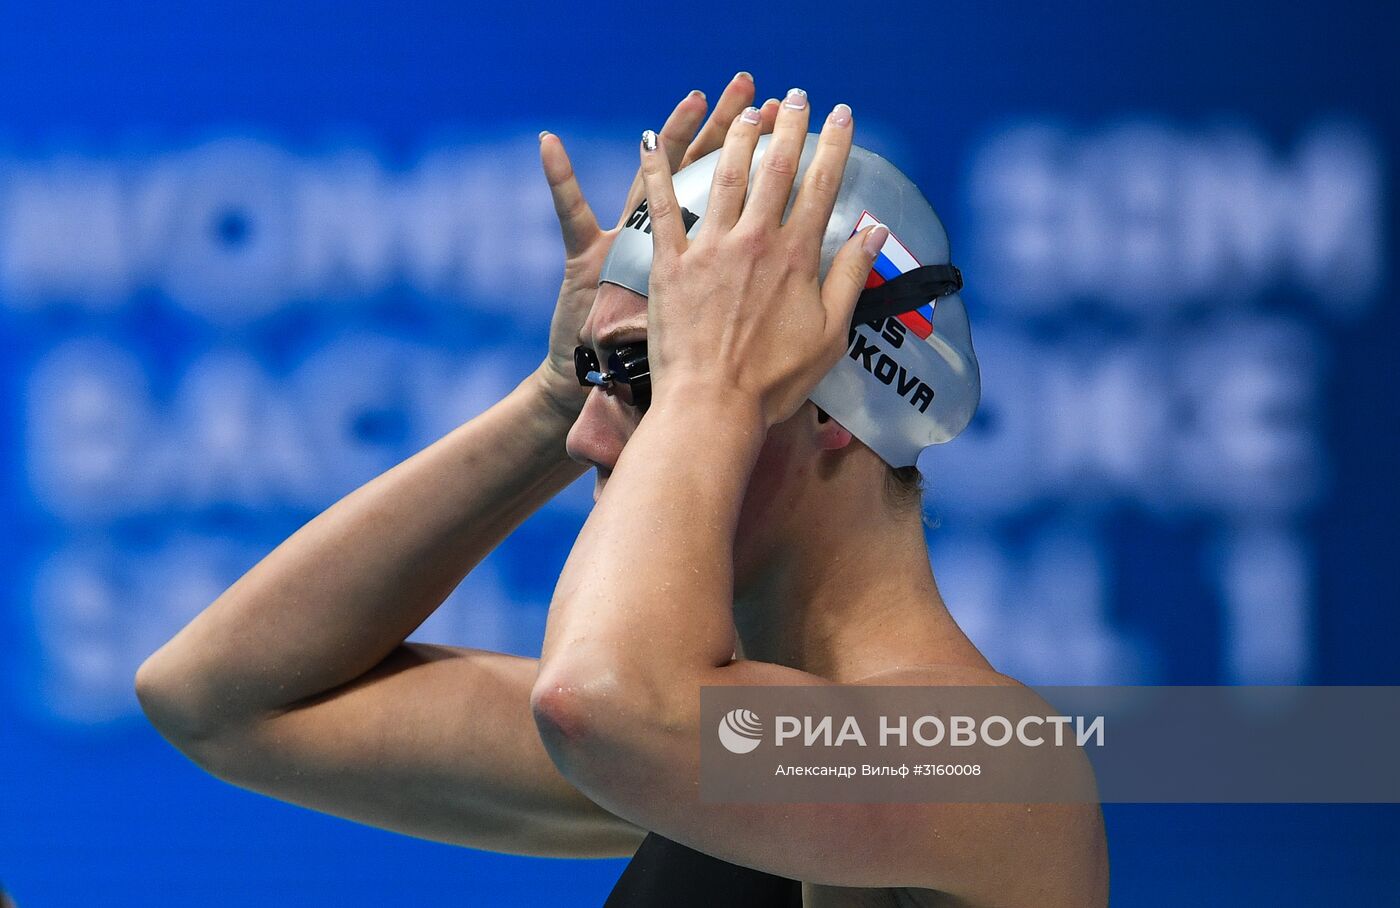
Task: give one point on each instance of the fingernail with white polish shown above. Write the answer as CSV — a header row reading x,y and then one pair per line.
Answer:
x,y
796,99
697,93
751,116
744,74
841,115
649,140
875,240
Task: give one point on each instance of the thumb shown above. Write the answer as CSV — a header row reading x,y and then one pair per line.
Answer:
x,y
849,271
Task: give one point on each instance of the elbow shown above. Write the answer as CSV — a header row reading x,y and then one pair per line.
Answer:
x,y
166,697
155,693
569,715
570,699
607,736
595,721
588,722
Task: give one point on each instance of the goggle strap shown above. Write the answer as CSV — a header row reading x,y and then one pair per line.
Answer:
x,y
907,292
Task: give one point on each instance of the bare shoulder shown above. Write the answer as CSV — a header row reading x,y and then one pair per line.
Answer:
x,y
1010,854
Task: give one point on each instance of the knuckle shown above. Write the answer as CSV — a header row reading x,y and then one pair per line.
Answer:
x,y
728,177
823,180
573,206
666,270
801,257
780,162
660,207
752,241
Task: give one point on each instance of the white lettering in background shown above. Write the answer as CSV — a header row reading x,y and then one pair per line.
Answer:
x,y
1220,418
1153,221
103,446
1172,389
1265,576
236,229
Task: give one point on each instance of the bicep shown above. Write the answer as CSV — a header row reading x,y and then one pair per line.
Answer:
x,y
435,742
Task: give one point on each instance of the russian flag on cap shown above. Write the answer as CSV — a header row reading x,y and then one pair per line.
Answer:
x,y
893,261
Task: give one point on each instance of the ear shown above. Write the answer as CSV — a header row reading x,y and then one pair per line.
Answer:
x,y
830,434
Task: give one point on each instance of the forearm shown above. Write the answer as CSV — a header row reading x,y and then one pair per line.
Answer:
x,y
338,596
647,593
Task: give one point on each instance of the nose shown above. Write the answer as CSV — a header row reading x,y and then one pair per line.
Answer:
x,y
601,429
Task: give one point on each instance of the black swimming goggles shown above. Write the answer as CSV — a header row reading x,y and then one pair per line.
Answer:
x,y
629,377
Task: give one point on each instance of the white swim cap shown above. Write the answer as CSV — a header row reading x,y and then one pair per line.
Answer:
x,y
908,380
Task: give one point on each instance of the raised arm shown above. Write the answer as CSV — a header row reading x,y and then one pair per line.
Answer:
x,y
335,599
296,682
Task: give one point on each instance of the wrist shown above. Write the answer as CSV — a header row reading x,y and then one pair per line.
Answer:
x,y
560,396
718,402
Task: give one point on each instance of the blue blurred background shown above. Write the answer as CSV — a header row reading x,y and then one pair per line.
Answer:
x,y
252,254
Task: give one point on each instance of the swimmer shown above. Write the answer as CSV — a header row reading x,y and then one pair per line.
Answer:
x,y
757,521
